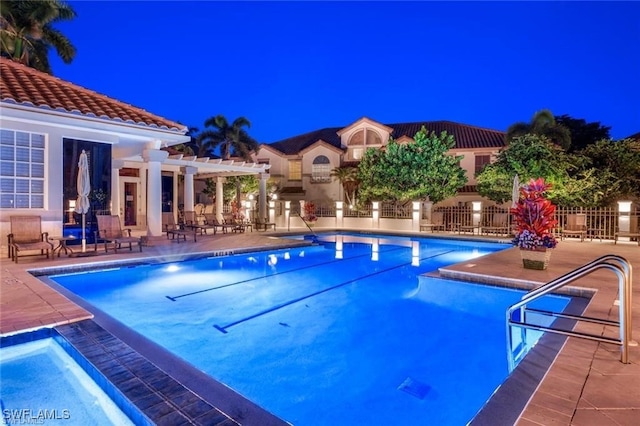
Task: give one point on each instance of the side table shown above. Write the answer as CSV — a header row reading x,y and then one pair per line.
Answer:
x,y
62,244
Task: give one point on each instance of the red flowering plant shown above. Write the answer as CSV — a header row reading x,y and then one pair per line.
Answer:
x,y
310,212
535,217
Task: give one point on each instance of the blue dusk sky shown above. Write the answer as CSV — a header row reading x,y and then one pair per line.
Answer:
x,y
294,67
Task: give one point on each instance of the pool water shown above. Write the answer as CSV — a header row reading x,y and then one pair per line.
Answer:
x,y
345,332
42,384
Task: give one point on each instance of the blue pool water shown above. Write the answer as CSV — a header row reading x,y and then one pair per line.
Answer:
x,y
345,332
42,384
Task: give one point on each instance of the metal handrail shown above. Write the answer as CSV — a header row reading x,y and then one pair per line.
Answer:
x,y
622,269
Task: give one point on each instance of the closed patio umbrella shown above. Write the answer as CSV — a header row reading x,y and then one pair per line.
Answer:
x,y
515,192
83,186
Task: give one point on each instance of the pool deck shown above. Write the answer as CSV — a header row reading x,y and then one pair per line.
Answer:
x,y
586,384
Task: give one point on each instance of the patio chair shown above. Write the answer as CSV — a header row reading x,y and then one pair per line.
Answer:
x,y
212,220
435,224
634,231
26,235
576,226
110,232
264,225
498,225
175,231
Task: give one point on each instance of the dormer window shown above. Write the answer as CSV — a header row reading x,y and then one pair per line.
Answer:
x,y
361,140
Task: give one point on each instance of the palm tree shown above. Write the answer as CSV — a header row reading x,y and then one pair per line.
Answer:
x,y
543,123
231,138
27,33
348,177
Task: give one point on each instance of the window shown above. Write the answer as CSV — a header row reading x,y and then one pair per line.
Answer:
x,y
362,140
357,153
481,161
295,170
21,170
321,169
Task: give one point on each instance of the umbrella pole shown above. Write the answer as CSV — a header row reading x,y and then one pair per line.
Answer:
x,y
84,241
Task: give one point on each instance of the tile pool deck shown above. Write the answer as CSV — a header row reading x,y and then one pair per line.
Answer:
x,y
586,384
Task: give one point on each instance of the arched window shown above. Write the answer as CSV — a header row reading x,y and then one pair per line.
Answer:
x,y
361,140
321,169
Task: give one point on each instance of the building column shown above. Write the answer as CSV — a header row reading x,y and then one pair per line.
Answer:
x,y
189,194
116,165
219,198
154,159
262,196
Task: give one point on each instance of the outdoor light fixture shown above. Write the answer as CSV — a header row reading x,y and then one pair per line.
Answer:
x,y
624,206
477,206
72,204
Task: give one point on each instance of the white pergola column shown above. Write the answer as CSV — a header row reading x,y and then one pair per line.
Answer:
x,y
219,198
262,196
116,165
154,159
189,194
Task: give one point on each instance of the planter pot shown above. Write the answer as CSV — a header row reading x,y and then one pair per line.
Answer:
x,y
535,259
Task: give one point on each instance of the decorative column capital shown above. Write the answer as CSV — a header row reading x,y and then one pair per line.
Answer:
x,y
154,155
189,170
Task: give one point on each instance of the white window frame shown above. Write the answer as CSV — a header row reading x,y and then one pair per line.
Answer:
x,y
22,169
321,172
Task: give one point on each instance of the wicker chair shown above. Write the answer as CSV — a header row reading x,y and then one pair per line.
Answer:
x,y
110,232
26,235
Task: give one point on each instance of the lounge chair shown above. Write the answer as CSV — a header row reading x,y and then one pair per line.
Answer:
x,y
435,224
498,225
634,231
576,226
26,235
110,232
264,225
212,220
175,231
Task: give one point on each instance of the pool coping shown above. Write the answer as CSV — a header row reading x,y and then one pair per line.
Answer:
x,y
579,384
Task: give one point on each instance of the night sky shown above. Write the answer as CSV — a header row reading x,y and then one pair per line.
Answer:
x,y
294,67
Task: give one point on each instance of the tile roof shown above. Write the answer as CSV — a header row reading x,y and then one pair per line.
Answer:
x,y
634,136
22,85
466,136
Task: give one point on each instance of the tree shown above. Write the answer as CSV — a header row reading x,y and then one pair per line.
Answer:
x,y
534,156
582,133
618,165
543,123
27,32
231,138
348,177
421,169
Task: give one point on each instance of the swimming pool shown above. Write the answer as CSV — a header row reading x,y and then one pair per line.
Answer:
x,y
345,332
65,393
